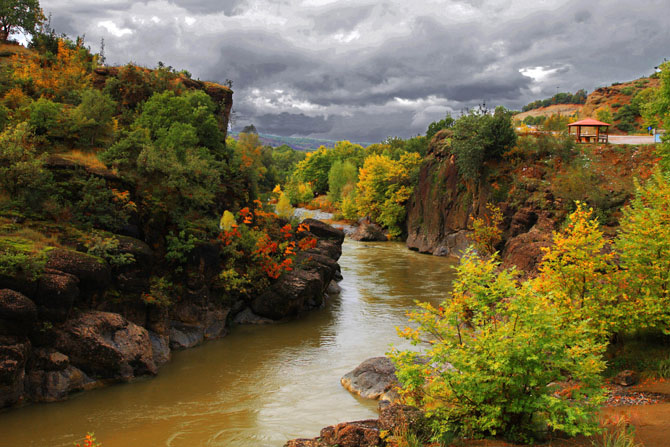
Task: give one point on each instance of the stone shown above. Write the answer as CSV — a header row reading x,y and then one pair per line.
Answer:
x,y
49,359
93,272
373,379
13,358
626,378
248,317
324,231
54,386
18,313
393,416
347,434
106,345
184,335
288,296
368,231
160,348
56,294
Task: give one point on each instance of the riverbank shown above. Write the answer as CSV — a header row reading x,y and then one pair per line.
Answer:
x,y
92,340
259,385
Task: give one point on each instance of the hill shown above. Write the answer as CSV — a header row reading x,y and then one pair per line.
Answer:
x,y
304,144
617,104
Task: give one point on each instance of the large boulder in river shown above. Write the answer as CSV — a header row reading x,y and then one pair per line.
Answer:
x,y
373,379
17,313
368,231
106,345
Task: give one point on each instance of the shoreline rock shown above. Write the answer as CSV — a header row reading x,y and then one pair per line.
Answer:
x,y
373,379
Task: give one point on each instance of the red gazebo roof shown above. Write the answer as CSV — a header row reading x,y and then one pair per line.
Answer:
x,y
588,122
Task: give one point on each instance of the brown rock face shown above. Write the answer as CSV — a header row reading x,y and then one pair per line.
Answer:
x,y
440,209
18,313
93,273
56,294
106,345
13,357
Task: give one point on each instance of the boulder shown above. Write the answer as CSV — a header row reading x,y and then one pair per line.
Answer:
x,y
368,231
13,357
56,294
143,254
248,317
373,379
53,386
324,231
106,345
347,434
184,335
48,359
160,347
626,378
289,295
94,274
394,416
18,313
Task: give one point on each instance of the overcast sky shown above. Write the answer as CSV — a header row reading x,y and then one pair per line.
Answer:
x,y
364,70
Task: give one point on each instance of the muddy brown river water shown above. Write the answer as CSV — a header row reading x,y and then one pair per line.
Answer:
x,y
260,385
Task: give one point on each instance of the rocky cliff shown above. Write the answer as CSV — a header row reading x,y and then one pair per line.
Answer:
x,y
60,332
443,206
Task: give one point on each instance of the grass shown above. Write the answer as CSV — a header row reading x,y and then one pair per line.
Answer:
x,y
622,434
21,257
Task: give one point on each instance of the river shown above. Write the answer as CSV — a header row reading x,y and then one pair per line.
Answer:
x,y
260,385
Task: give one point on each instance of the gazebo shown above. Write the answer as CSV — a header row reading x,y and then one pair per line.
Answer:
x,y
589,131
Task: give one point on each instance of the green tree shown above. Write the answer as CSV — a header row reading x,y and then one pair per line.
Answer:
x,y
480,137
342,173
495,359
436,126
23,177
643,246
91,120
656,112
24,15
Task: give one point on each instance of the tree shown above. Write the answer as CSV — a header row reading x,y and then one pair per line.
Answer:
x,y
656,112
436,126
495,359
24,15
643,244
577,275
341,174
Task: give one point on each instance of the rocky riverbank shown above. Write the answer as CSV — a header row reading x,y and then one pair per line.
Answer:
x,y
60,333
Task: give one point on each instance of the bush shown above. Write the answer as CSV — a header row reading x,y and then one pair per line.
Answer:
x,y
101,207
480,137
22,173
20,257
107,248
495,359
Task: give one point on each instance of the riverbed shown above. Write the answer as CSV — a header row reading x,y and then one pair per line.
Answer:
x,y
260,385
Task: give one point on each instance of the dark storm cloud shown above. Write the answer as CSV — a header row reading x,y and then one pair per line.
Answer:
x,y
287,124
367,69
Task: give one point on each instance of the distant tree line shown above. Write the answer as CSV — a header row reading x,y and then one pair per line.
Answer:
x,y
559,98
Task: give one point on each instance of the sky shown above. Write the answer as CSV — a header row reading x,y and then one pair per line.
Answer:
x,y
366,70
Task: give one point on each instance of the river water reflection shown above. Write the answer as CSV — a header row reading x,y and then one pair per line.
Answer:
x,y
259,386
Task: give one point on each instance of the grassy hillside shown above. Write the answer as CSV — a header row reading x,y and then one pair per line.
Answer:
x,y
617,104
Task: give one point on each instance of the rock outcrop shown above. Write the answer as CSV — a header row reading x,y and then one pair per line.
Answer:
x,y
368,231
443,205
373,379
83,323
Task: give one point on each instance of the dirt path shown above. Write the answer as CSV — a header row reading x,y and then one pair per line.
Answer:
x,y
631,139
